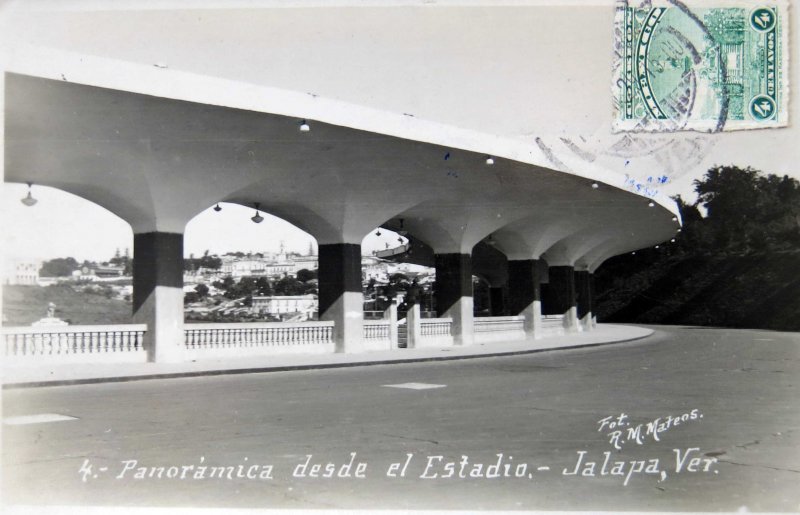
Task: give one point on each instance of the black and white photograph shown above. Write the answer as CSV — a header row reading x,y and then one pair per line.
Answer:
x,y
464,256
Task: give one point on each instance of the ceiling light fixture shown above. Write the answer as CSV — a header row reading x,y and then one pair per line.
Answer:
x,y
217,208
651,204
304,127
595,185
29,200
489,160
378,233
257,218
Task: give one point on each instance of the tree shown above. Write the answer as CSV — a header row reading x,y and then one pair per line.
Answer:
x,y
211,262
263,287
201,290
305,275
750,218
749,212
289,286
400,281
226,283
59,267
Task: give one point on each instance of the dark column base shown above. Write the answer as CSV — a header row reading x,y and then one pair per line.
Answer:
x,y
158,293
560,298
583,294
340,297
497,300
453,289
524,291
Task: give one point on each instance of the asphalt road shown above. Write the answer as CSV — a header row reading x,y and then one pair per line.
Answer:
x,y
146,443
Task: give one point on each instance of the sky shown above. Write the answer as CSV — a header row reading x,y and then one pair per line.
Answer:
x,y
63,225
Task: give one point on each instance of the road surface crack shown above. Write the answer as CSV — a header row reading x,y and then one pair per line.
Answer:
x,y
411,438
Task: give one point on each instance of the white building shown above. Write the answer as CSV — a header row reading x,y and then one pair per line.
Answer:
x,y
374,268
238,268
284,304
24,272
304,263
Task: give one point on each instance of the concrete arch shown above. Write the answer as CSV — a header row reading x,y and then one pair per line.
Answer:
x,y
244,214
568,250
57,216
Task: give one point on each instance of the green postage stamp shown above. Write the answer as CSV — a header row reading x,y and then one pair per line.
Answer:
x,y
706,66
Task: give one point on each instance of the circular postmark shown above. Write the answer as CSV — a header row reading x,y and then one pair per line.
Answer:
x,y
670,70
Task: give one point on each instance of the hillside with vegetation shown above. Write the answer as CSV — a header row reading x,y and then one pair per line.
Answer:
x,y
738,266
76,304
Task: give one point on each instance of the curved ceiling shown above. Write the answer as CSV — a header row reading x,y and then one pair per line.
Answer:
x,y
157,113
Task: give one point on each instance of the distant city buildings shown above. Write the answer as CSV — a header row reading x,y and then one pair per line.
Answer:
x,y
95,272
22,272
266,265
280,305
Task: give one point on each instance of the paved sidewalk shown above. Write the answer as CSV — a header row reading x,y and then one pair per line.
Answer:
x,y
57,375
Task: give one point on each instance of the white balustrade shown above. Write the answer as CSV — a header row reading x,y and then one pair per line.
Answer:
x,y
505,328
377,335
435,326
435,332
376,330
74,343
258,338
552,325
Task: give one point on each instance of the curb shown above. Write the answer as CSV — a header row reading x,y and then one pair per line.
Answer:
x,y
293,368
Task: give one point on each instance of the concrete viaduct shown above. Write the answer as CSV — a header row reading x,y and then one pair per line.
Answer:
x,y
157,126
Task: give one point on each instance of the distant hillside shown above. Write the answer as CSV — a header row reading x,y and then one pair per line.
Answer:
x,y
23,305
749,291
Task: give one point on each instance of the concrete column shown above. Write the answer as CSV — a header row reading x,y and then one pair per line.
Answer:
x,y
158,293
561,298
390,314
413,327
454,294
497,300
340,297
584,299
524,293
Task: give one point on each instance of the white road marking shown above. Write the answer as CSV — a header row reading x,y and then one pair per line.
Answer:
x,y
36,419
543,468
415,386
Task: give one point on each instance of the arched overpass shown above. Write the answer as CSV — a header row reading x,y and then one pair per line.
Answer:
x,y
157,128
